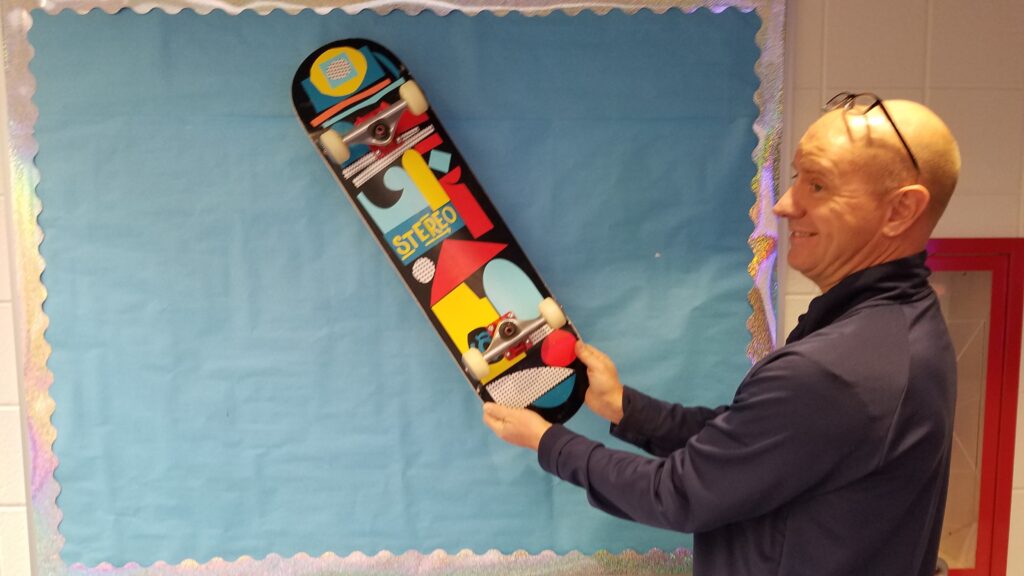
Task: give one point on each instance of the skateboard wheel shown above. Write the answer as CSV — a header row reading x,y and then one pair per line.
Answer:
x,y
473,360
335,147
412,95
552,313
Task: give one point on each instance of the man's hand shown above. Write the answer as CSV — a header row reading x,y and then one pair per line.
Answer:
x,y
516,426
604,396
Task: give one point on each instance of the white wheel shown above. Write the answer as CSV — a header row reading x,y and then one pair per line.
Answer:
x,y
473,359
552,313
414,98
335,147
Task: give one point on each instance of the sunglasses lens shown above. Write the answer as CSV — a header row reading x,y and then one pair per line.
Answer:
x,y
862,103
837,101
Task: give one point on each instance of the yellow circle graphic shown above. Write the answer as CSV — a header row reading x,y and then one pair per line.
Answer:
x,y
339,71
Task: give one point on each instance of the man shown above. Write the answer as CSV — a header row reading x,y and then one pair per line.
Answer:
x,y
833,458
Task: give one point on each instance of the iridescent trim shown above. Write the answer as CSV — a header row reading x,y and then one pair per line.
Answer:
x,y
34,350
492,563
768,127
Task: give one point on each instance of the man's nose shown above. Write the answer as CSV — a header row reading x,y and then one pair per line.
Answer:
x,y
785,208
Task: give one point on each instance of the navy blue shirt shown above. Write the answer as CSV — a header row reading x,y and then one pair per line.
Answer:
x,y
832,460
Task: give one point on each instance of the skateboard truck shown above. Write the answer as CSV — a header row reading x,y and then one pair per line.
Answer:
x,y
379,130
511,337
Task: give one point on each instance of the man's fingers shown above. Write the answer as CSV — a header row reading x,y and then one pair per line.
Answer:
x,y
591,356
497,417
493,422
516,426
490,417
496,412
586,353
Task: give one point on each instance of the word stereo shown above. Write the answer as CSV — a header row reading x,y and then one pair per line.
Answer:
x,y
377,133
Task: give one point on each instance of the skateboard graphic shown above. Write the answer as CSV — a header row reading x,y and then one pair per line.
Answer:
x,y
375,130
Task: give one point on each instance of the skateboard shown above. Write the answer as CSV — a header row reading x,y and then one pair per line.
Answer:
x,y
375,130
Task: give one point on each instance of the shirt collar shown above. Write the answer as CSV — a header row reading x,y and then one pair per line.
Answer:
x,y
900,280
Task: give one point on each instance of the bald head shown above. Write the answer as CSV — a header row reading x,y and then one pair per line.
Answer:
x,y
858,200
935,148
880,153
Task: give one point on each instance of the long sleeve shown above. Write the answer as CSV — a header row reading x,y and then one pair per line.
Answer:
x,y
791,424
659,427
833,457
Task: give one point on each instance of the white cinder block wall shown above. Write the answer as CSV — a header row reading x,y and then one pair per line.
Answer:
x,y
965,59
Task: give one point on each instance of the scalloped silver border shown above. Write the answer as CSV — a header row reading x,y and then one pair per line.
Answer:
x,y
45,515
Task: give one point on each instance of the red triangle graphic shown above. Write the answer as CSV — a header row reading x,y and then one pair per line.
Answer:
x,y
458,260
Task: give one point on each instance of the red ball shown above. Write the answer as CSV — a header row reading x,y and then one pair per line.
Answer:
x,y
559,348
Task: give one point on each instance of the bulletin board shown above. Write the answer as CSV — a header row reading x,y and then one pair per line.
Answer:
x,y
223,374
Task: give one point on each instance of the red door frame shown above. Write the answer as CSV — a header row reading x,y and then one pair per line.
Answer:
x,y
1004,258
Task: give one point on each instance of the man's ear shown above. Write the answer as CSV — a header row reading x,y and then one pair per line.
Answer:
x,y
906,206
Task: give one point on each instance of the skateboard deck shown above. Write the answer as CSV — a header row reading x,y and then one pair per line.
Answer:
x,y
392,158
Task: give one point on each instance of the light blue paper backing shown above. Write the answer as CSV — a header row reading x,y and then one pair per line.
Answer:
x,y
237,369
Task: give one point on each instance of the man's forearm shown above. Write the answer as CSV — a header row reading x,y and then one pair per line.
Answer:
x,y
659,427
